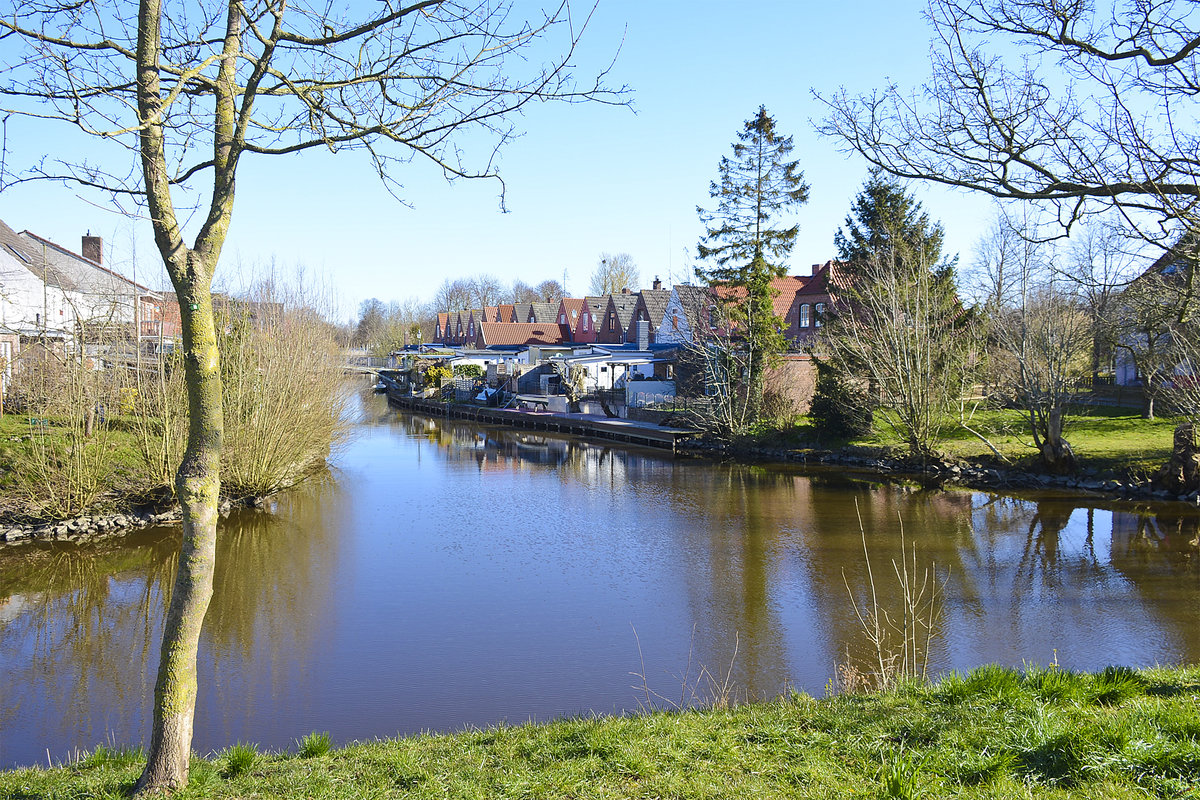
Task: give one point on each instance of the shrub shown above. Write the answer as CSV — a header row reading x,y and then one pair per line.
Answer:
x,y
840,408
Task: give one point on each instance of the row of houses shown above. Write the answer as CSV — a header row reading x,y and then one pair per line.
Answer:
x,y
649,316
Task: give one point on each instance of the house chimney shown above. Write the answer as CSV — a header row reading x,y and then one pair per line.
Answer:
x,y
93,248
625,290
657,283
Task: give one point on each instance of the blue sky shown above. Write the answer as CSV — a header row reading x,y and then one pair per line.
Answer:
x,y
582,180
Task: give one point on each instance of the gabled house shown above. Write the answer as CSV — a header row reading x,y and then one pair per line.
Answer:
x,y
813,299
590,315
505,313
545,313
651,304
439,328
460,328
34,294
490,314
569,311
689,309
521,312
616,319
512,334
50,292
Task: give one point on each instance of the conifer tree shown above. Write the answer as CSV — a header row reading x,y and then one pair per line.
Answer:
x,y
746,243
896,319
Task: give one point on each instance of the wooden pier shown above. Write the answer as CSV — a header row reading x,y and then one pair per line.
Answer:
x,y
586,425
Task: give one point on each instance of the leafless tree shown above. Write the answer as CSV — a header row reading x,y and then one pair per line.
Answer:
x,y
1040,334
452,295
1145,331
1097,112
183,94
1101,262
523,293
613,273
1182,472
485,290
899,325
550,291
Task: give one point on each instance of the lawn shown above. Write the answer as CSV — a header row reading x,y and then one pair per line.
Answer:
x,y
1109,441
994,733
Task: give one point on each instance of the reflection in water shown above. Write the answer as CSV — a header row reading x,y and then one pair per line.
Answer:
x,y
448,575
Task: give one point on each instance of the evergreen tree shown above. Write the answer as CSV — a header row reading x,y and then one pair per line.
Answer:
x,y
896,320
746,244
886,217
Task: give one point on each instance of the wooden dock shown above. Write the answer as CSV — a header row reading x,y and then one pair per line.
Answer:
x,y
586,425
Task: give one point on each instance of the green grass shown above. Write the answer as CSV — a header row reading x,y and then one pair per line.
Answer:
x,y
1113,442
124,474
994,733
314,745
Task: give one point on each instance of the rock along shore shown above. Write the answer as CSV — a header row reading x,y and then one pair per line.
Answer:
x,y
968,475
105,526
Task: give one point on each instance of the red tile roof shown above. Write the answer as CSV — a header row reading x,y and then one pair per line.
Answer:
x,y
518,333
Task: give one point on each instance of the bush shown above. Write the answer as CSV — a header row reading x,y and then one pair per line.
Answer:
x,y
840,408
283,402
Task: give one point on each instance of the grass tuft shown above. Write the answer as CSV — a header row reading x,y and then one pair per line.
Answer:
x,y
314,745
993,682
117,756
240,759
1116,684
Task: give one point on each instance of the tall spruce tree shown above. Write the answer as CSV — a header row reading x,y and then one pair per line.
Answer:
x,y
886,217
746,244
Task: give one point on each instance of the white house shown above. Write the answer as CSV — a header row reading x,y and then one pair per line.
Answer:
x,y
48,292
33,293
688,308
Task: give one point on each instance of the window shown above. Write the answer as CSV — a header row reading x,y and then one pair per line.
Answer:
x,y
562,319
803,316
820,312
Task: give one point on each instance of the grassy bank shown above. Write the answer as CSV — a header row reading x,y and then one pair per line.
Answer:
x,y
994,733
1112,442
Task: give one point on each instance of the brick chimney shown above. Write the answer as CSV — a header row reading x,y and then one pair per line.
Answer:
x,y
93,248
657,283
625,290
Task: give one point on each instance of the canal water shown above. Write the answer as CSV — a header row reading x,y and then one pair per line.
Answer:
x,y
445,576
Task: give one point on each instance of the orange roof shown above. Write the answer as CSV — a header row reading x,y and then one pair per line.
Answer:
x,y
517,333
506,312
786,289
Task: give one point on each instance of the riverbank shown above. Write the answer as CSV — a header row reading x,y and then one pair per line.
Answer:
x,y
1117,455
994,733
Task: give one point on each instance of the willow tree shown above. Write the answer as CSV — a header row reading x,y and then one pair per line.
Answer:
x,y
180,92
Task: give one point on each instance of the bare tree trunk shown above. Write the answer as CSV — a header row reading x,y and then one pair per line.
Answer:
x,y
1182,473
198,486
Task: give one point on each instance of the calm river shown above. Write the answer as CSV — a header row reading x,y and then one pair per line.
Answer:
x,y
447,576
